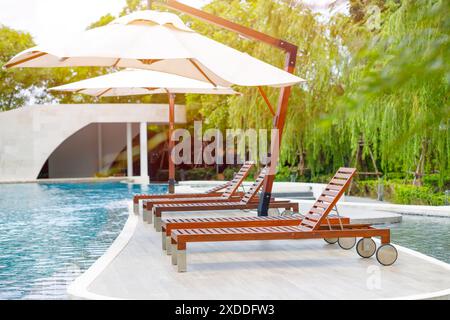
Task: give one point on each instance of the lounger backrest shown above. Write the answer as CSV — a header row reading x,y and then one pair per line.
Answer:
x,y
238,179
254,188
218,187
328,199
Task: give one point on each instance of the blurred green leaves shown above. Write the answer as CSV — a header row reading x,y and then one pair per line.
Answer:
x,y
381,73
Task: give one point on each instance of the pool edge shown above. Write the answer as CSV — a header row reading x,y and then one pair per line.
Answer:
x,y
436,295
78,289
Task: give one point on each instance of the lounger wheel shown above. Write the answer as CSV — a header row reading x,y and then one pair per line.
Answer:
x,y
387,254
346,243
366,247
331,240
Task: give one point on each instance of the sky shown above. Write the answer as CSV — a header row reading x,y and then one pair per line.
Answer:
x,y
49,20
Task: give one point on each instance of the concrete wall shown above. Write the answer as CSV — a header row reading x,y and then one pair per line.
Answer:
x,y
90,150
29,135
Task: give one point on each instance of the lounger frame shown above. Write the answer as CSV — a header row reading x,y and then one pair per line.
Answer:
x,y
168,225
230,187
312,225
180,237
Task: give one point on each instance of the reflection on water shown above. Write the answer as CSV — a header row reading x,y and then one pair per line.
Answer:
x,y
51,233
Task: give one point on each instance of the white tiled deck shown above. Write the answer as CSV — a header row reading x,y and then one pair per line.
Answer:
x,y
302,269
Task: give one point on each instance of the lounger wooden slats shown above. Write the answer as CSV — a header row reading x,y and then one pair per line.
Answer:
x,y
247,202
227,194
214,190
327,200
238,179
312,226
230,187
315,214
182,236
229,222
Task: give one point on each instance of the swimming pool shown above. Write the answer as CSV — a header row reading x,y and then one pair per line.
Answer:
x,y
51,233
428,235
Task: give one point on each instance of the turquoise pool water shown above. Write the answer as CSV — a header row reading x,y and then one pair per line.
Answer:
x,y
51,233
428,235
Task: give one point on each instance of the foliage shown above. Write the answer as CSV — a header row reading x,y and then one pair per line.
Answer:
x,y
381,74
397,88
200,174
400,192
286,173
230,171
17,86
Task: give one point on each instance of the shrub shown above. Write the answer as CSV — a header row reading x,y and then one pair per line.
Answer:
x,y
399,192
200,174
283,174
229,172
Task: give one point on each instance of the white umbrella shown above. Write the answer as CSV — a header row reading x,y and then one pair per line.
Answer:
x,y
160,41
157,41
139,82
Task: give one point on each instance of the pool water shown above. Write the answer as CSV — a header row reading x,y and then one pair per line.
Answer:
x,y
51,233
428,235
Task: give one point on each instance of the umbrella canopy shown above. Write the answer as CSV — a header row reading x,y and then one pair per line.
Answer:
x,y
158,41
140,82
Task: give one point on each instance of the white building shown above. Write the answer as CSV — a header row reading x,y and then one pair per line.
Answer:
x,y
75,141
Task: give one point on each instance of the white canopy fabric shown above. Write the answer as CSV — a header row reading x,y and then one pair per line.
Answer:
x,y
139,82
157,41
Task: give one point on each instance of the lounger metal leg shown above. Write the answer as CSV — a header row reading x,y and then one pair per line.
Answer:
x,y
168,245
181,259
163,240
136,208
148,216
174,254
157,223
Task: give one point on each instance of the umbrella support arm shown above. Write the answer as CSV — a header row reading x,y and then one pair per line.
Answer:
x,y
171,142
280,116
266,99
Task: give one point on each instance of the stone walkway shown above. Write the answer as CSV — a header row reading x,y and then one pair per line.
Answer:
x,y
302,269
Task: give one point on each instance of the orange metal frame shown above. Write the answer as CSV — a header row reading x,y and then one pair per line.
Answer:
x,y
171,142
280,115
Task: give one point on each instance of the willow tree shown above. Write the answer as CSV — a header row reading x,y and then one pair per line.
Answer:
x,y
380,73
397,87
320,61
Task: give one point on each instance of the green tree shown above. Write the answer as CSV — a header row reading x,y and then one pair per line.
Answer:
x,y
17,87
381,73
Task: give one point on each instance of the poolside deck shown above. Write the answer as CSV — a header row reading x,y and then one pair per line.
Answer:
x,y
307,269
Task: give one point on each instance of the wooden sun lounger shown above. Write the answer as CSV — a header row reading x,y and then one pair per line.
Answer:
x,y
230,189
167,225
229,195
311,227
247,202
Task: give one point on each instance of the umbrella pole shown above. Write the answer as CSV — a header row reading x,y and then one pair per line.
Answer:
x,y
171,143
280,117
